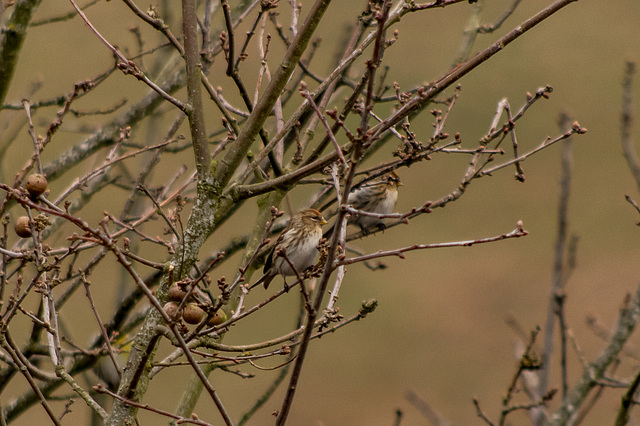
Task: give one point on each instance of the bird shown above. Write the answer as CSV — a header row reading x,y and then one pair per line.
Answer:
x,y
378,196
298,242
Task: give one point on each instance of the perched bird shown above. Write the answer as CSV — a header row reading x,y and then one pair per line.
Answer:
x,y
378,196
298,241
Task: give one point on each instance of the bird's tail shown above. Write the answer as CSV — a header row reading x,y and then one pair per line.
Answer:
x,y
265,280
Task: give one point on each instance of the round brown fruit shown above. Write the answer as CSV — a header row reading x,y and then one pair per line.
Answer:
x,y
36,184
192,313
218,318
176,293
171,309
22,227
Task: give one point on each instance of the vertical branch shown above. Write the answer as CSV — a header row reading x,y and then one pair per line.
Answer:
x,y
295,12
233,72
556,297
341,229
230,37
474,28
595,371
230,51
514,142
103,330
32,133
373,63
470,34
194,97
562,326
4,260
627,120
195,386
312,314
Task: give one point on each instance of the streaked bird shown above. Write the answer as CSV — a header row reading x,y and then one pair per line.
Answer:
x,y
298,242
379,196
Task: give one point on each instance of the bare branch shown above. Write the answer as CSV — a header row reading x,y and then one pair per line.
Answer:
x,y
127,66
627,322
516,233
559,268
626,119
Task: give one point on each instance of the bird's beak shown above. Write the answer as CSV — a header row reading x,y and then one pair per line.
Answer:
x,y
323,221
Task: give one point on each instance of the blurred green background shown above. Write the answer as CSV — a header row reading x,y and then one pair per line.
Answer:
x,y
440,329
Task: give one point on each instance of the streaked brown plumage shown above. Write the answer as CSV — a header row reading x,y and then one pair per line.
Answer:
x,y
379,196
298,241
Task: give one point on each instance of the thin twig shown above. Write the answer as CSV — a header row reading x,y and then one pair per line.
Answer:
x,y
555,297
103,331
627,403
18,359
341,229
305,93
195,421
627,322
127,66
427,411
32,133
626,122
516,233
480,413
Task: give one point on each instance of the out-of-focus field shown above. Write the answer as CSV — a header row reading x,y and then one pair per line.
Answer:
x,y
440,330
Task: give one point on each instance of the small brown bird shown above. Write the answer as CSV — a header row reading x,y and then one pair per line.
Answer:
x,y
298,241
379,196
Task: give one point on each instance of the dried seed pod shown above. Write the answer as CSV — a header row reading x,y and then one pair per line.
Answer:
x,y
171,309
36,184
218,318
176,293
192,313
22,227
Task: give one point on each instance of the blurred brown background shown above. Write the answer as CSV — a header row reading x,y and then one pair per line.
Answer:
x,y
440,330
